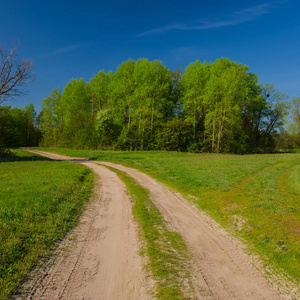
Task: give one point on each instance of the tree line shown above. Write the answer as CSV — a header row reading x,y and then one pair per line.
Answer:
x,y
18,128
210,107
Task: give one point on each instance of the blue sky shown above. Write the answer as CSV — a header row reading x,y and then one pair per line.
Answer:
x,y
72,39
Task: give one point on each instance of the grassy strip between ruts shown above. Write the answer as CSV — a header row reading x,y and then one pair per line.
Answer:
x,y
40,200
169,258
255,197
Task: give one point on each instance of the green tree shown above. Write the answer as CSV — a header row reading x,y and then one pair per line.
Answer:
x,y
6,131
192,87
215,107
50,119
294,113
270,117
31,125
18,128
174,135
14,74
99,90
213,95
152,99
76,114
107,130
122,88
225,91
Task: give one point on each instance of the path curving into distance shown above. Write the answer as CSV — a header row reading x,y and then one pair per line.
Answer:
x,y
105,264
100,260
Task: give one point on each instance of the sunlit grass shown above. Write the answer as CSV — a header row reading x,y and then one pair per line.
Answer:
x,y
255,197
40,200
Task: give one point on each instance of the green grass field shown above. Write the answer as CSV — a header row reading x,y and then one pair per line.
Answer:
x,y
40,200
255,197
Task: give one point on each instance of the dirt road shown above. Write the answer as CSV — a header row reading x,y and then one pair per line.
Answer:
x,y
100,259
106,261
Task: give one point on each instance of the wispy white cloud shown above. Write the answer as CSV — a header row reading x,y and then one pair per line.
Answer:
x,y
63,50
235,18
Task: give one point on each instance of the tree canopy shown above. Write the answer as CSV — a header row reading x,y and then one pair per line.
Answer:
x,y
213,107
18,128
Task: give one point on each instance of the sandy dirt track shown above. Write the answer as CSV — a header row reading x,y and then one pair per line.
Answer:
x,y
108,264
224,270
101,259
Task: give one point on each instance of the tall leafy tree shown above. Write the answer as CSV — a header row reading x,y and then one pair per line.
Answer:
x,y
122,89
18,128
152,99
271,109
212,95
51,120
193,89
226,90
294,110
105,131
99,90
77,117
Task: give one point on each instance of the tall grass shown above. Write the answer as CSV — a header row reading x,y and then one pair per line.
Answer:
x,y
256,197
40,200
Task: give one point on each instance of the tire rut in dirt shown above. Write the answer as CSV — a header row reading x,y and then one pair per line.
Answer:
x,y
220,260
100,258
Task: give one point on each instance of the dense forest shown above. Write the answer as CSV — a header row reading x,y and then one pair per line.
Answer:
x,y
18,128
209,107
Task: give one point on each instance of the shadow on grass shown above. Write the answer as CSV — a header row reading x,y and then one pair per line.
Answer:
x,y
24,158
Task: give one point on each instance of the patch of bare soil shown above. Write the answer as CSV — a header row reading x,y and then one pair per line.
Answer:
x,y
100,258
223,269
103,260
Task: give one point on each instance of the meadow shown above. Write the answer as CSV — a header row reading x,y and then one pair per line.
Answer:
x,y
254,197
40,200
